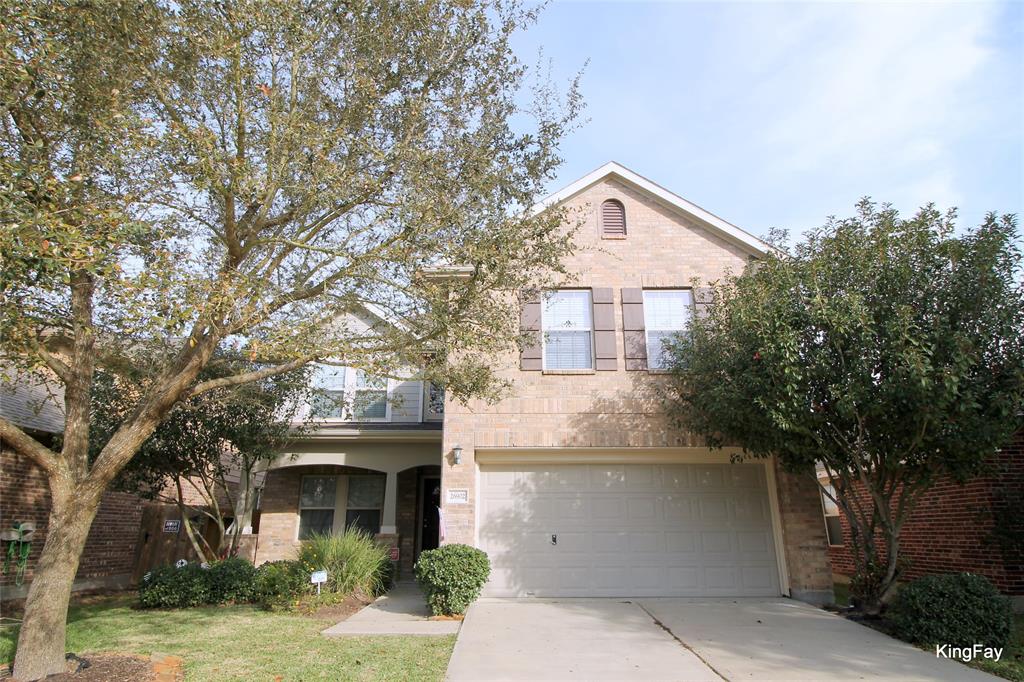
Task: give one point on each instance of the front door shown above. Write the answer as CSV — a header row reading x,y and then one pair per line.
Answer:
x,y
429,520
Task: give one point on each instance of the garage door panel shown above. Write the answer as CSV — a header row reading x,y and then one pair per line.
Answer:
x,y
629,530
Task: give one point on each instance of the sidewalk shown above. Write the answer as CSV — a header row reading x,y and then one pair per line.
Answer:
x,y
402,611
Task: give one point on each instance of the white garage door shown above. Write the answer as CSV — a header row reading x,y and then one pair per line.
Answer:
x,y
598,530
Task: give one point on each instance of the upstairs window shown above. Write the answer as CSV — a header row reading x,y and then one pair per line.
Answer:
x,y
370,397
567,330
666,316
613,219
349,394
329,400
434,396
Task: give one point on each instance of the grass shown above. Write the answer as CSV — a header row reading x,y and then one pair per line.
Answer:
x,y
842,593
246,643
1011,665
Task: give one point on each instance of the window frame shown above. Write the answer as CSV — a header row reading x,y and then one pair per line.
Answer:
x,y
690,310
348,390
379,509
352,387
302,508
427,413
544,332
340,509
825,501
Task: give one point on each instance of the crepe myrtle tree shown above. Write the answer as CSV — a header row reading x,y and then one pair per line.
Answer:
x,y
182,175
207,453
889,350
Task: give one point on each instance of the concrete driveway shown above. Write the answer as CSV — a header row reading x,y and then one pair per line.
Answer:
x,y
682,639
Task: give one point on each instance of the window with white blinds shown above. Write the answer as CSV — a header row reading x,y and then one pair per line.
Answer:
x,y
349,394
666,315
370,397
567,330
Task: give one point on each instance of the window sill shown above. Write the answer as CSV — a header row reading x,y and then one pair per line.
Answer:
x,y
614,237
569,371
659,371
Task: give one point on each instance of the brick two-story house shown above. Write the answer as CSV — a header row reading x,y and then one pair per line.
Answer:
x,y
574,483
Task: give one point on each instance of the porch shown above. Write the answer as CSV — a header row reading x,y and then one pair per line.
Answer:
x,y
391,489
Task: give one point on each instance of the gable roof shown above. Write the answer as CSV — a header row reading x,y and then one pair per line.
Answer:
x,y
669,199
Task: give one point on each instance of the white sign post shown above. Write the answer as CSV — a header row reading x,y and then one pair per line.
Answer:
x,y
318,578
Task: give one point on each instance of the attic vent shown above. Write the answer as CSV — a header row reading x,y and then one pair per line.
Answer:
x,y
613,219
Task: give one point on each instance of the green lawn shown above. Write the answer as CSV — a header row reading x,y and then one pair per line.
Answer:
x,y
1011,666
246,643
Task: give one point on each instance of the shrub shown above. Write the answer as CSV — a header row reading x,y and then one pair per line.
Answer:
x,y
279,584
957,608
353,560
169,587
451,577
231,580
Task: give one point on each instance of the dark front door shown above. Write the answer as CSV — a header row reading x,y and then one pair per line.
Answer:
x,y
429,524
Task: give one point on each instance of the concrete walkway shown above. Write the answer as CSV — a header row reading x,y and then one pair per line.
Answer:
x,y
402,611
581,639
784,639
683,639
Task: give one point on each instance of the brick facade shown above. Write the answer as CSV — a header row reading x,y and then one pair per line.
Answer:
x,y
110,550
951,528
619,409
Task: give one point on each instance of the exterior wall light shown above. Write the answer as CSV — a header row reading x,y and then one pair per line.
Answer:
x,y
457,454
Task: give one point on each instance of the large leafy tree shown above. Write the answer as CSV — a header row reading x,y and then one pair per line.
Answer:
x,y
889,350
178,175
208,452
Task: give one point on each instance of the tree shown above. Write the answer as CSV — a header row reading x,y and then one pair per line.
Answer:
x,y
889,350
185,174
212,446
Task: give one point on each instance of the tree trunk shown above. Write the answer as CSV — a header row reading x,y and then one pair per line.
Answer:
x,y
41,641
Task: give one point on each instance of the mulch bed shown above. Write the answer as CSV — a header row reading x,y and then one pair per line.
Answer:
x,y
116,668
342,610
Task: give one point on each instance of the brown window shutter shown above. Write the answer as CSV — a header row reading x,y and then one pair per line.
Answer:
x,y
530,358
606,355
703,299
633,337
613,219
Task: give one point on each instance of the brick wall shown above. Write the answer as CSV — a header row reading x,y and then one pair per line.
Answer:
x,y
110,550
803,536
617,408
950,530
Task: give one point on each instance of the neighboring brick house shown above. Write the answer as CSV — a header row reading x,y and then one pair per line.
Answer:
x,y
110,550
574,483
956,527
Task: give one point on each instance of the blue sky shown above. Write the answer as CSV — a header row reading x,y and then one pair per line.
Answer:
x,y
779,114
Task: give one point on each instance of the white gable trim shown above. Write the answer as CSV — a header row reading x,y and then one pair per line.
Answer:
x,y
670,199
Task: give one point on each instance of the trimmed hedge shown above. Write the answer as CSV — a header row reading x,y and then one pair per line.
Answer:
x,y
222,582
956,608
231,581
451,577
279,584
169,587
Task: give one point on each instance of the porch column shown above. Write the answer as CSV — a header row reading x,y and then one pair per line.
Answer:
x,y
388,525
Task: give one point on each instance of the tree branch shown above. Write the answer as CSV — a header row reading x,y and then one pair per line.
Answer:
x,y
30,447
247,377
